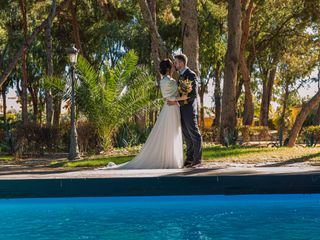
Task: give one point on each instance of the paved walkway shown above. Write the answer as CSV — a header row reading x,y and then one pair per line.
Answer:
x,y
219,170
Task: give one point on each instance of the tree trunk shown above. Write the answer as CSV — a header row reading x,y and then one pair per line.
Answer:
x,y
24,83
4,103
283,113
155,47
264,106
304,112
239,86
248,105
190,35
155,50
317,120
41,106
217,95
56,113
201,96
266,96
75,25
48,94
153,29
13,62
228,115
34,99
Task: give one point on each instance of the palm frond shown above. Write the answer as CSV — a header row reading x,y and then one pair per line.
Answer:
x,y
57,85
103,100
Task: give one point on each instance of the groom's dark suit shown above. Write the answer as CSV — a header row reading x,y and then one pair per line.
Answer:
x,y
189,120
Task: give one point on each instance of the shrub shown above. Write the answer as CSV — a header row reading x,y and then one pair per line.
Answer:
x,y
33,140
250,133
130,135
211,134
88,137
311,135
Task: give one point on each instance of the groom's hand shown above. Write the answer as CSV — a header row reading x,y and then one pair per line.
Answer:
x,y
172,103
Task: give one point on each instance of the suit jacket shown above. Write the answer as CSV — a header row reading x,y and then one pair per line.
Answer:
x,y
193,95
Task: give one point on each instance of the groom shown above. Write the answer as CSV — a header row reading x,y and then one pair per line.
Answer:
x,y
189,113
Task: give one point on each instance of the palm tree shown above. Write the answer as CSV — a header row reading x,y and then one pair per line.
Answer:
x,y
111,97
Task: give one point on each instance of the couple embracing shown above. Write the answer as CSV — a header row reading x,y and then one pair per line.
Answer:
x,y
178,120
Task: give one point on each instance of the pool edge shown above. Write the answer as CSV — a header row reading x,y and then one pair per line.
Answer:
x,y
160,186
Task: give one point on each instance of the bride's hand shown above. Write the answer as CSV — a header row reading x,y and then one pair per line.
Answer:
x,y
172,103
182,98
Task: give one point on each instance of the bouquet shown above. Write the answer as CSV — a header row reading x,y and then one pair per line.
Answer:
x,y
185,87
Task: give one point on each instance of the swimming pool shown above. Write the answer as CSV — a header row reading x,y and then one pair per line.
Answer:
x,y
182,217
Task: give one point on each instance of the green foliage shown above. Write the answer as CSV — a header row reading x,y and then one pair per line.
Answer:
x,y
311,135
129,135
111,98
283,34
212,18
57,85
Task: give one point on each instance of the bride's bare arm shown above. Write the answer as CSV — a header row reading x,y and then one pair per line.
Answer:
x,y
182,98
176,99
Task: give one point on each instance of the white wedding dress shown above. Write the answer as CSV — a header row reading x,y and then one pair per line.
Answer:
x,y
163,148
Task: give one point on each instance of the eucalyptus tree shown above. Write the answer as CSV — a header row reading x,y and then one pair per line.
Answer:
x,y
212,33
228,115
27,42
296,64
274,25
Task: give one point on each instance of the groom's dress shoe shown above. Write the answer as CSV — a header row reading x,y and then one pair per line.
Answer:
x,y
187,163
195,164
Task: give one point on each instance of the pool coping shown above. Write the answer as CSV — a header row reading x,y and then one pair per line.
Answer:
x,y
166,185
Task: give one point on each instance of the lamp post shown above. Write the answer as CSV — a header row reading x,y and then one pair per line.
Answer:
x,y
74,149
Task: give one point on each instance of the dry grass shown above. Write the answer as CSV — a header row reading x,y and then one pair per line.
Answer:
x,y
255,155
215,153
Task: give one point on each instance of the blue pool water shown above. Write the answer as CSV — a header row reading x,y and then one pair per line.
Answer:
x,y
183,217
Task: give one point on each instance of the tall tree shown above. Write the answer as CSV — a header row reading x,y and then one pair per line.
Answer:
x,y
267,88
248,106
4,102
285,98
24,82
75,25
48,39
217,95
190,35
155,51
212,17
28,41
228,115
303,114
159,50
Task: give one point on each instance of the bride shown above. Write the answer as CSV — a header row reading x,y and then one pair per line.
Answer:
x,y
164,147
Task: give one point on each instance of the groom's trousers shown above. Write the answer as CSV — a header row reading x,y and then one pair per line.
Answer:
x,y
191,133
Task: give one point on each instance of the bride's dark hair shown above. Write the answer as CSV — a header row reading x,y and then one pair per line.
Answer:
x,y
165,65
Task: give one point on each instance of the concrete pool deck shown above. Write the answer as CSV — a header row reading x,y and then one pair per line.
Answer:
x,y
218,170
200,181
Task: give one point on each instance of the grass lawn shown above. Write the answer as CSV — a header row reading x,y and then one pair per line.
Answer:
x,y
97,162
215,153
6,158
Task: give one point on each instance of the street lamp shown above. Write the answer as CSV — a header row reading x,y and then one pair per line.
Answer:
x,y
74,149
